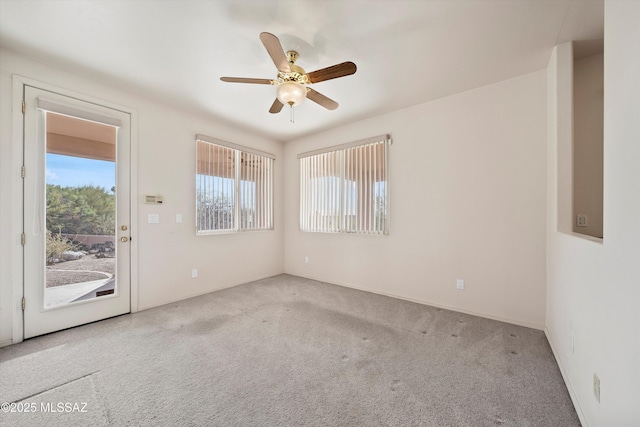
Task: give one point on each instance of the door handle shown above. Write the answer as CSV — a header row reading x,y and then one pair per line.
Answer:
x,y
124,239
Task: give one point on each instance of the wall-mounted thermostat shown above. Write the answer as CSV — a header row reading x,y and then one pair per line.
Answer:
x,y
153,200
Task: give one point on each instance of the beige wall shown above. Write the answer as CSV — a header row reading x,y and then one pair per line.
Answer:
x,y
467,188
166,165
588,93
9,214
593,288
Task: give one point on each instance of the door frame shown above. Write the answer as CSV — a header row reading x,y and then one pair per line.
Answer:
x,y
18,287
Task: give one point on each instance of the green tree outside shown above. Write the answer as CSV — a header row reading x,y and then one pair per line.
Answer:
x,y
80,210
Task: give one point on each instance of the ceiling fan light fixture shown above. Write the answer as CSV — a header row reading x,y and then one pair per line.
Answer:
x,y
291,92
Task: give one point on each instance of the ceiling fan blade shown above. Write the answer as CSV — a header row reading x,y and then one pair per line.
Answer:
x,y
276,107
246,80
273,46
319,98
333,72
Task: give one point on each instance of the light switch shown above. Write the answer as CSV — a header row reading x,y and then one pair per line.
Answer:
x,y
178,218
153,219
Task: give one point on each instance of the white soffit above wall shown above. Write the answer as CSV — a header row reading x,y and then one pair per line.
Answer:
x,y
407,52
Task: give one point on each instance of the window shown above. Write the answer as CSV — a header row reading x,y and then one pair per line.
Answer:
x,y
234,187
344,189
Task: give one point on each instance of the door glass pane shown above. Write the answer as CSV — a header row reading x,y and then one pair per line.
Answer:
x,y
80,178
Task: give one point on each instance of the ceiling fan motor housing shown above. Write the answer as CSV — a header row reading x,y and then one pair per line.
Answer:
x,y
292,56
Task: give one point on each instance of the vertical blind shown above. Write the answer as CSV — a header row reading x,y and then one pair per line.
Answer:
x,y
234,188
345,189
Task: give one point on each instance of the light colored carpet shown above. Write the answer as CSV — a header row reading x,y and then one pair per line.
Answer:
x,y
287,351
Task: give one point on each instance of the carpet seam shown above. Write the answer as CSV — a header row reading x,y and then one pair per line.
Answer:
x,y
53,387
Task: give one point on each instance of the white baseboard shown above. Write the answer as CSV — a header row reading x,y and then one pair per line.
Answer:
x,y
532,325
197,294
567,382
6,343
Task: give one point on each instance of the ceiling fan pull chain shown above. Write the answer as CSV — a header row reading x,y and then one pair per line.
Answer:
x,y
292,117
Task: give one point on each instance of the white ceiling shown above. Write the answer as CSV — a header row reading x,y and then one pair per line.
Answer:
x,y
407,52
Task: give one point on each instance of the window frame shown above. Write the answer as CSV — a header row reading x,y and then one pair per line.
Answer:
x,y
262,196
314,163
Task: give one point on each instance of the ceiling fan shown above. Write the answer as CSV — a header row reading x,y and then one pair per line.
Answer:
x,y
292,81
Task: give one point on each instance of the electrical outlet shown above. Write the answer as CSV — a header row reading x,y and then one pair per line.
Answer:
x,y
178,218
306,260
596,387
582,220
194,273
460,284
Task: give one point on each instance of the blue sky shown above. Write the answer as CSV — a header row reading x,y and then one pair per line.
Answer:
x,y
67,171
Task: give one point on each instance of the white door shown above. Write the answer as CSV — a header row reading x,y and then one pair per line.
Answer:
x,y
76,212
